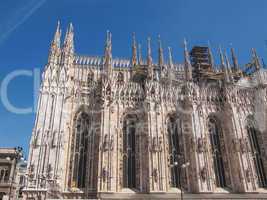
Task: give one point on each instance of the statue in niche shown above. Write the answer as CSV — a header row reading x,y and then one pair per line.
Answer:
x,y
248,175
200,145
104,174
203,174
155,174
105,143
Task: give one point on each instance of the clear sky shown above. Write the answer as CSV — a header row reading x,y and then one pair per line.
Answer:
x,y
27,27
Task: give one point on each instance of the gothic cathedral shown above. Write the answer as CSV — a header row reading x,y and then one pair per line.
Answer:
x,y
107,127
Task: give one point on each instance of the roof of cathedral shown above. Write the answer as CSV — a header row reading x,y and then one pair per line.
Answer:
x,y
97,61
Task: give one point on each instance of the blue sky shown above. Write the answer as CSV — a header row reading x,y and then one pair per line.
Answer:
x,y
27,27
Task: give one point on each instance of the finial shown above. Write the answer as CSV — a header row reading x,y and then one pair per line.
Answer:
x,y
134,51
161,56
159,41
140,59
185,44
71,29
170,57
256,60
210,55
234,60
221,55
188,66
228,66
108,54
134,39
58,24
57,36
68,42
108,38
224,69
149,57
150,70
58,27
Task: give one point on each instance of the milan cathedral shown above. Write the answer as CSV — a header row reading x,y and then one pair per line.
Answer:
x,y
126,128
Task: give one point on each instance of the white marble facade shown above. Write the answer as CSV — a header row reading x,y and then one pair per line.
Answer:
x,y
116,126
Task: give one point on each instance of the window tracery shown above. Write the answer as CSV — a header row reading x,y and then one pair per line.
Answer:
x,y
129,152
216,148
81,152
257,154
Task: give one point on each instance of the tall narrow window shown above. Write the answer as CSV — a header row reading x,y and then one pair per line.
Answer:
x,y
214,133
129,152
80,151
253,135
175,149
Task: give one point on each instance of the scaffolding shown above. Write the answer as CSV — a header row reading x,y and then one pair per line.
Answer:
x,y
204,67
202,63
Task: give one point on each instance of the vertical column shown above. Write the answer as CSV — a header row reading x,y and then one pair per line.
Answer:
x,y
192,133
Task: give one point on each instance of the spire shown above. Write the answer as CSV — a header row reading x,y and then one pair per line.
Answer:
x,y
234,60
170,57
223,66
149,60
134,51
210,55
55,46
149,56
140,59
256,60
228,66
68,42
188,66
108,53
161,56
57,36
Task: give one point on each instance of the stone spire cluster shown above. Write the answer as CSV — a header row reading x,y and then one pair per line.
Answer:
x,y
65,53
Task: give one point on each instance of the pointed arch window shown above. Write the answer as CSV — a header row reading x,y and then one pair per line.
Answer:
x,y
176,151
80,151
256,148
216,148
129,152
